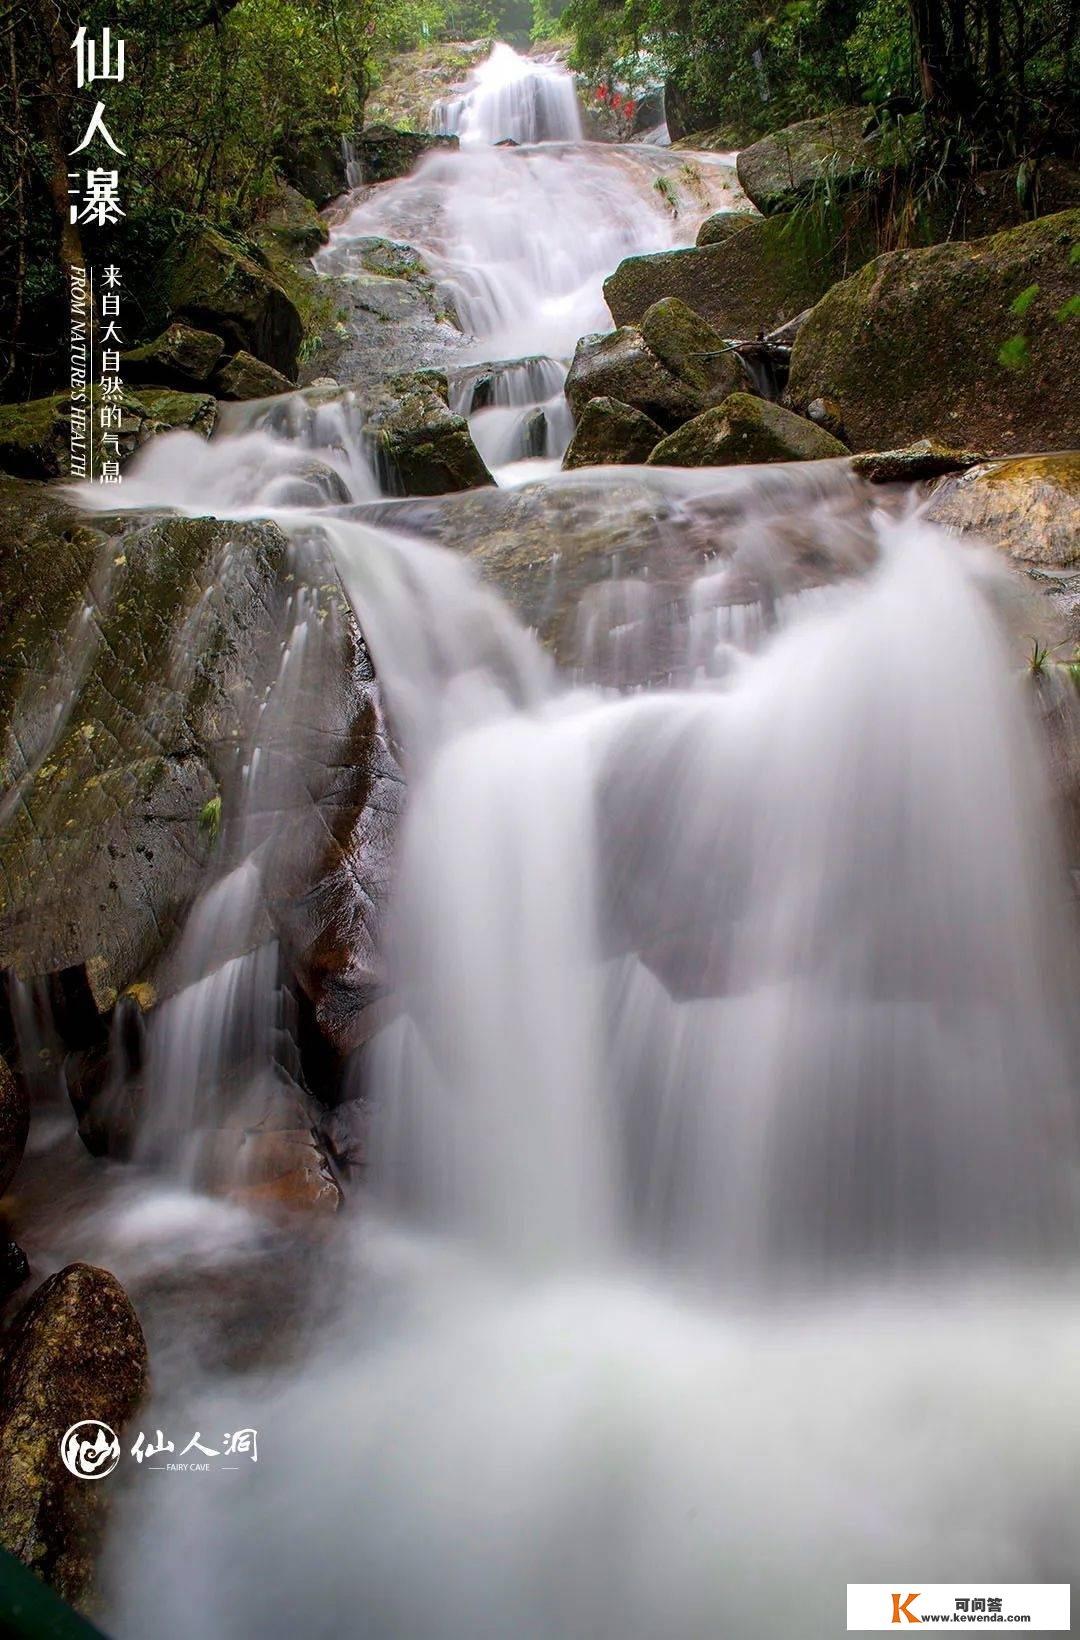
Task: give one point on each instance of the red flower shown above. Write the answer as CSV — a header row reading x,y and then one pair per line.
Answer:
x,y
601,93
629,108
616,101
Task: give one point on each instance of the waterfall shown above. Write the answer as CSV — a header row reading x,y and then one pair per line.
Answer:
x,y
718,1242
512,99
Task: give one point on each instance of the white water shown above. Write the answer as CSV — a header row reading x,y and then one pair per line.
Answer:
x,y
512,99
720,1241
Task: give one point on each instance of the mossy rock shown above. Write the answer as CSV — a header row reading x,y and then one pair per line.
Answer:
x,y
926,458
975,344
381,152
36,438
421,446
692,349
167,409
759,272
1028,507
293,223
611,434
245,377
619,365
842,150
745,430
219,285
77,1352
180,356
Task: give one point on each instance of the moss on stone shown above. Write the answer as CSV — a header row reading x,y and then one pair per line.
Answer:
x,y
745,430
611,434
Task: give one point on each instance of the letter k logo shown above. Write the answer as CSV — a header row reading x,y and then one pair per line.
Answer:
x,y
898,1607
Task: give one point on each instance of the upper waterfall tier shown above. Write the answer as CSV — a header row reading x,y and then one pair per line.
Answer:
x,y
512,98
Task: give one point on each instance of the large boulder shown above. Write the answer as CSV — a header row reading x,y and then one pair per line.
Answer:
x,y
619,365
611,434
158,641
1028,507
692,349
293,224
397,318
421,446
756,273
219,286
974,343
180,356
380,152
743,430
845,149
77,1353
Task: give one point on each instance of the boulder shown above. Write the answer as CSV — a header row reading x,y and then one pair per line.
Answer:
x,y
421,446
742,430
219,286
755,274
975,344
245,377
77,1353
381,152
692,349
611,434
1028,507
106,832
619,365
293,223
181,355
14,1125
845,149
396,318
36,438
314,165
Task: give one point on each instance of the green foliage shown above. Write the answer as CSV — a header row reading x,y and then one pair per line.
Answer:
x,y
1024,301
1014,354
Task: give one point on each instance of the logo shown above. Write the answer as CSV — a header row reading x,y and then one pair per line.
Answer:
x,y
90,1450
1004,1607
897,1608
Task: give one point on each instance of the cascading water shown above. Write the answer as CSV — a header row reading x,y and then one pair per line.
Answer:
x,y
512,99
719,1246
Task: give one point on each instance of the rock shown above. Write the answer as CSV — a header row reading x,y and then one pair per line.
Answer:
x,y
410,81
692,350
314,164
180,356
743,430
924,459
103,841
609,433
14,1123
974,344
219,286
294,224
14,1269
396,317
77,1353
780,170
618,365
1028,507
165,410
381,152
286,1172
422,447
825,413
245,377
344,1133
36,438
758,272
721,226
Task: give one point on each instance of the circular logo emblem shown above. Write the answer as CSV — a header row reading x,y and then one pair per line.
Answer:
x,y
90,1450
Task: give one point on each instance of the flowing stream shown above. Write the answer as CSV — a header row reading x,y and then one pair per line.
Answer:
x,y
718,1244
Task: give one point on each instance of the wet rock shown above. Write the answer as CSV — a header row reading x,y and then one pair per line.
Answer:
x,y
180,356
381,152
1028,507
396,317
164,410
620,366
286,1172
756,274
245,377
693,350
845,147
744,430
77,1352
219,286
36,438
975,344
344,1133
924,459
14,1269
411,81
14,1123
423,448
609,433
